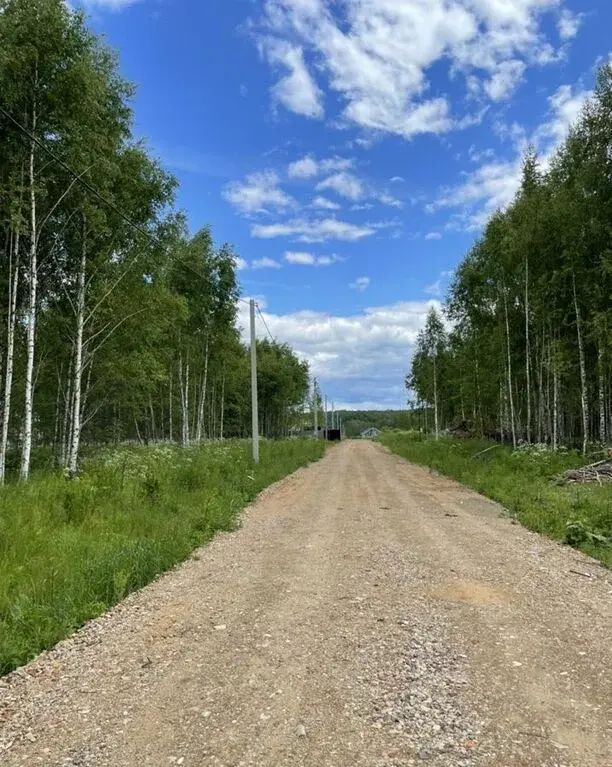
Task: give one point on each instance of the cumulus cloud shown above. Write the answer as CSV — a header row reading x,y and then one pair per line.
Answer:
x,y
317,230
433,236
568,24
360,358
241,263
388,199
302,258
344,184
309,167
375,54
360,284
258,193
324,204
111,5
266,263
494,184
296,90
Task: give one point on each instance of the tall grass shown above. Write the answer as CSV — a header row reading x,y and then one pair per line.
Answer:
x,y
70,550
521,481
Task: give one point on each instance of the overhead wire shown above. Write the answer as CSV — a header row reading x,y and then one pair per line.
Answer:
x,y
263,319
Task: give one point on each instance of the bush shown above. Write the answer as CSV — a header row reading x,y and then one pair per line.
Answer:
x,y
70,550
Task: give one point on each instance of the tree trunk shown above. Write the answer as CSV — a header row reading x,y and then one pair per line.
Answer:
x,y
555,407
601,393
31,323
510,395
222,408
435,382
10,351
75,442
200,421
170,424
583,378
184,384
527,351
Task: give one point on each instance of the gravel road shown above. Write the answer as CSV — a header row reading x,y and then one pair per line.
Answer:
x,y
368,612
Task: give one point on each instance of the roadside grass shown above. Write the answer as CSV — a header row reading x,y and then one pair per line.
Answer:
x,y
578,514
71,550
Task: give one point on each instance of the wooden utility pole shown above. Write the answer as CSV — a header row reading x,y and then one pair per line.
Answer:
x,y
254,410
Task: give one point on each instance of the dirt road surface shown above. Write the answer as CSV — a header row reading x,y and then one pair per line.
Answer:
x,y
368,612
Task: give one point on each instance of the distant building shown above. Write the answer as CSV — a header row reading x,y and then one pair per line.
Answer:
x,y
370,433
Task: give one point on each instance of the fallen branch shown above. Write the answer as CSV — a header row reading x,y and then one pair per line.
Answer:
x,y
486,450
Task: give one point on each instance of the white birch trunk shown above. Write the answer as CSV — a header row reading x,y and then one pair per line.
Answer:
x,y
527,350
75,430
509,369
10,352
222,408
31,323
555,407
583,379
601,394
200,420
170,424
435,399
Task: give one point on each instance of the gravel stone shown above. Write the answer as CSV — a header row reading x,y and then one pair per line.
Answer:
x,y
373,614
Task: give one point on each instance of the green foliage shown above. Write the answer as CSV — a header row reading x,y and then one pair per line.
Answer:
x,y
70,550
530,352
521,480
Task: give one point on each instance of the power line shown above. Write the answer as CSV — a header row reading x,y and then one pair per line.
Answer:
x,y
265,324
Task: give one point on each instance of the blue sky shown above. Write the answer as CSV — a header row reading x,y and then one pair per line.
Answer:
x,y
352,149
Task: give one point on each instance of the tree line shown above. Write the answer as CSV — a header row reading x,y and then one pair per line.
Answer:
x,y
523,349
115,323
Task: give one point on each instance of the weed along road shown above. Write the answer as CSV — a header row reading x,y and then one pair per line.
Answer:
x,y
367,612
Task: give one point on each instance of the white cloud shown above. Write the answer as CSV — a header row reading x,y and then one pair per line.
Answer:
x,y
360,358
376,54
241,263
435,289
307,167
309,259
494,184
362,206
111,5
397,180
389,199
266,263
344,184
433,236
324,204
504,79
258,193
568,24
317,230
360,284
296,90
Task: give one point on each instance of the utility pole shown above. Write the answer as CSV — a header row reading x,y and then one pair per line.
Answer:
x,y
315,408
254,409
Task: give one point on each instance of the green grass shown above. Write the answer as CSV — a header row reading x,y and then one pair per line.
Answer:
x,y
71,550
521,481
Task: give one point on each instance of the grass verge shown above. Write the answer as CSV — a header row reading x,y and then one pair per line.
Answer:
x,y
71,550
580,515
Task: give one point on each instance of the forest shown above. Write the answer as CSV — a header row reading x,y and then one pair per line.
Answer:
x,y
523,348
116,323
